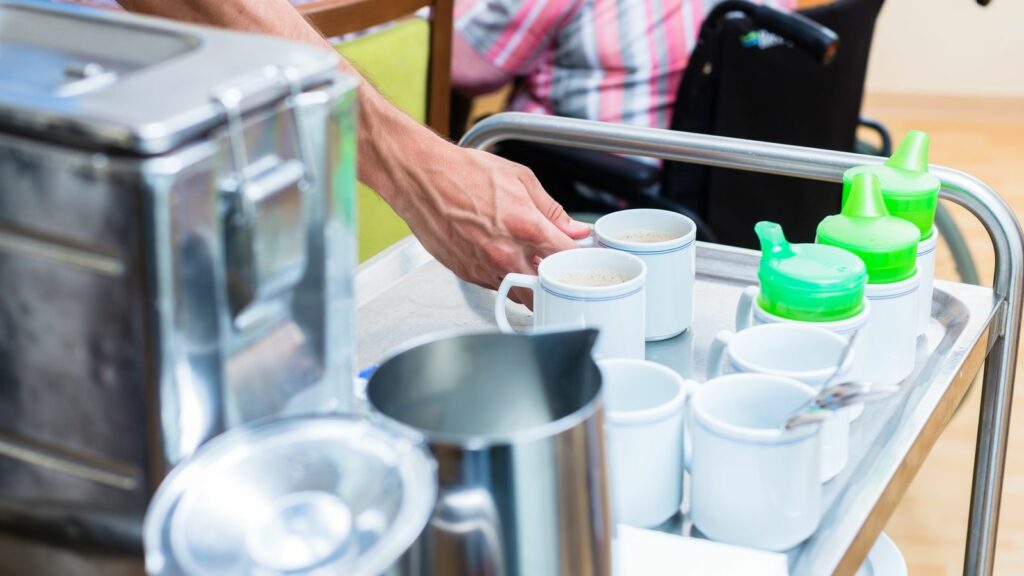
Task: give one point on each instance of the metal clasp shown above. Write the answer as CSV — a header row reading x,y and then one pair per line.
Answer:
x,y
266,219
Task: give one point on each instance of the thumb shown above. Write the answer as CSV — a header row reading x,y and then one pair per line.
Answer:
x,y
573,229
554,212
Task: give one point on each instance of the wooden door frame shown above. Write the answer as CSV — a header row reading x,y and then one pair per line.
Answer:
x,y
338,17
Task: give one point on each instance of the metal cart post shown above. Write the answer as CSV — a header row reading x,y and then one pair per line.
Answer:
x,y
972,194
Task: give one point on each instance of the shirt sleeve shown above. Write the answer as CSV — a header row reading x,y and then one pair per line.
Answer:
x,y
512,34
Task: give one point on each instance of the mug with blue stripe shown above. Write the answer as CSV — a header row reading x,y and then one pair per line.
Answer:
x,y
586,288
666,242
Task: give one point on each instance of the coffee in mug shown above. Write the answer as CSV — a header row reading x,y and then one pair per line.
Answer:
x,y
592,278
587,287
646,236
665,241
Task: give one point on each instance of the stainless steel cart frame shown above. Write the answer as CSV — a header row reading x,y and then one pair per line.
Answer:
x,y
967,191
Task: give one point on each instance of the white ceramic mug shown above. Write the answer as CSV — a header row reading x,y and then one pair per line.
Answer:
x,y
803,352
891,333
926,268
644,418
749,313
753,483
616,310
669,251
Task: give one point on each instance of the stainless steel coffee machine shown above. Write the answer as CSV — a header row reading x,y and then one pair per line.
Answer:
x,y
176,258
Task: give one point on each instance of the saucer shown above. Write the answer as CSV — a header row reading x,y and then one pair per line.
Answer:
x,y
884,559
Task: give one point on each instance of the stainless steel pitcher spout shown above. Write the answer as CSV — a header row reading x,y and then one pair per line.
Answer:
x,y
516,425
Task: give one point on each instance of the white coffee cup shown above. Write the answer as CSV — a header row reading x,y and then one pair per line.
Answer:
x,y
615,310
749,313
891,333
926,268
644,417
665,241
752,482
803,352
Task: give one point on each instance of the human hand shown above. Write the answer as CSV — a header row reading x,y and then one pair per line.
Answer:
x,y
480,215
483,216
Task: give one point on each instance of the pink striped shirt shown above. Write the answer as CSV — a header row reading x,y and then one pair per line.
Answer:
x,y
611,60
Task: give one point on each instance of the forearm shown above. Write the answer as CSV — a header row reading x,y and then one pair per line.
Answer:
x,y
480,215
472,74
276,17
393,148
387,137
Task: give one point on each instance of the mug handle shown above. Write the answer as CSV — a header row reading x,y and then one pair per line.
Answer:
x,y
745,308
689,386
511,280
716,353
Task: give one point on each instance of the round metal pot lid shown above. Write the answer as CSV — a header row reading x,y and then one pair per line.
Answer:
x,y
311,495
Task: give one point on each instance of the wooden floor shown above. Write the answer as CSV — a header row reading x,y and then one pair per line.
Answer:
x,y
983,138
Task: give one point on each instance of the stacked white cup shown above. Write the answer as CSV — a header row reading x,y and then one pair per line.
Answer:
x,y
753,483
804,352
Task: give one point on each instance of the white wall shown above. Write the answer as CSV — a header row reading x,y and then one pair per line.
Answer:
x,y
949,47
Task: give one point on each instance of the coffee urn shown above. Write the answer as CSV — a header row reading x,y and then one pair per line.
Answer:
x,y
176,259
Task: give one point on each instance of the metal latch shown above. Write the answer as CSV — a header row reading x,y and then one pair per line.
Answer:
x,y
82,77
265,224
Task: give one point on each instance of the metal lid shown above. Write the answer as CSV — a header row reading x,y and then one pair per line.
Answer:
x,y
312,495
808,282
137,84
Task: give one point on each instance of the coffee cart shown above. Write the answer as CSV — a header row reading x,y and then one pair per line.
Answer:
x,y
403,293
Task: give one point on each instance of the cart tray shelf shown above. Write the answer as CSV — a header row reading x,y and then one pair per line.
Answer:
x,y
404,293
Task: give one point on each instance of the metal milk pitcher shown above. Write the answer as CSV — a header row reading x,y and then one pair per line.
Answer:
x,y
516,425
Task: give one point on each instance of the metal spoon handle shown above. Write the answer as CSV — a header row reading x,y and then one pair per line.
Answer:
x,y
844,355
805,418
839,396
853,393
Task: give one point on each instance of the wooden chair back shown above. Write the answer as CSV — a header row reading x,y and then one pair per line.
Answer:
x,y
339,17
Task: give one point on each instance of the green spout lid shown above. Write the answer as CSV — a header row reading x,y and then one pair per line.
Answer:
x,y
886,244
809,282
910,191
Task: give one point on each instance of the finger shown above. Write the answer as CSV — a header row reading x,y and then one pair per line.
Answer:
x,y
552,210
547,239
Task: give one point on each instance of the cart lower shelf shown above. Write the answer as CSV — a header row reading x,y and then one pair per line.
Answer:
x,y
404,293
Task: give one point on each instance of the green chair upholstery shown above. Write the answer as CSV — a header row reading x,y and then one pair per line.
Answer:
x,y
396,61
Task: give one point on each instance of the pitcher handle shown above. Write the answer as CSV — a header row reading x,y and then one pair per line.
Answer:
x,y
511,281
469,510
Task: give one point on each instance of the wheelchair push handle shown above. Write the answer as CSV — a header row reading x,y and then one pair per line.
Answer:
x,y
820,42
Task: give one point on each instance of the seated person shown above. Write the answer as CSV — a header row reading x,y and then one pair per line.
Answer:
x,y
611,60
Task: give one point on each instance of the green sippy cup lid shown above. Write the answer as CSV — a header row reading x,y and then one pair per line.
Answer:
x,y
910,191
808,282
886,244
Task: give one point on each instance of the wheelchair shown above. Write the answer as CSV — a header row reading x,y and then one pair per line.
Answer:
x,y
760,74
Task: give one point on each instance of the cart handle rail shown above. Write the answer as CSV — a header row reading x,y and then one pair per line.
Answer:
x,y
827,165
